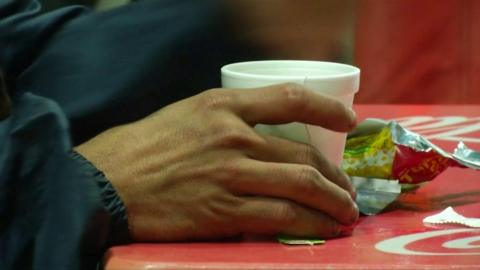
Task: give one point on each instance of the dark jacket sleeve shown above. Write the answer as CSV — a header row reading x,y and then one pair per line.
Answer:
x,y
57,211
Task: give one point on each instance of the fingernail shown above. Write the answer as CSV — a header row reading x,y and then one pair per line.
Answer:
x,y
355,214
342,230
352,191
337,230
346,230
353,118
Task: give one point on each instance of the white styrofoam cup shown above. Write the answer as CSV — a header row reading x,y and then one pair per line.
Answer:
x,y
336,80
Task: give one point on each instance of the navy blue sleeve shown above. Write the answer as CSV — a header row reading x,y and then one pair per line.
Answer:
x,y
56,210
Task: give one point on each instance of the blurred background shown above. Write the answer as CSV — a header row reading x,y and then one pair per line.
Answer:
x,y
409,51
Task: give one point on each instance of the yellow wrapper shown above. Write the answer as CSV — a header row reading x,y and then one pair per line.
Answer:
x,y
370,155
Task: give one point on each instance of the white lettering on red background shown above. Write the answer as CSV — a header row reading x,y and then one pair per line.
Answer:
x,y
456,247
448,128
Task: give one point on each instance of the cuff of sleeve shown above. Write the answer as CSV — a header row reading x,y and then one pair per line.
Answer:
x,y
119,233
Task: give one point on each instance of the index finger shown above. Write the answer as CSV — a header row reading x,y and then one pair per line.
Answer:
x,y
290,102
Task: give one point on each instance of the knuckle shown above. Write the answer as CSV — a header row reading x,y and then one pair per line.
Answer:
x,y
339,174
230,171
285,213
309,155
333,229
229,135
328,227
344,199
342,178
338,106
308,178
227,206
215,98
293,93
297,99
235,140
350,212
353,214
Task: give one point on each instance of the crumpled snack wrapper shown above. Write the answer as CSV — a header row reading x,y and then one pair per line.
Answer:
x,y
378,151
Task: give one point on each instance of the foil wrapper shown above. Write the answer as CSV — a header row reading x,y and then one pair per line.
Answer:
x,y
373,195
384,159
386,150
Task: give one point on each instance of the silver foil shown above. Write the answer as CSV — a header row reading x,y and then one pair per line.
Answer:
x,y
373,195
464,156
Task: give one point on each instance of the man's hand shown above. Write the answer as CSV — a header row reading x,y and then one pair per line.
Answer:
x,y
197,169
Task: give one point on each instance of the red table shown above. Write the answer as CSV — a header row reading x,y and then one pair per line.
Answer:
x,y
394,239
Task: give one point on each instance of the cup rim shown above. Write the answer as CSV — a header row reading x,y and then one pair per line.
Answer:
x,y
230,71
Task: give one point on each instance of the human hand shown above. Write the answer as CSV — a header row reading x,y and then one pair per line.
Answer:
x,y
197,169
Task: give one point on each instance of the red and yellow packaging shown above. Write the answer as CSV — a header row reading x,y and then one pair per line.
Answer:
x,y
388,151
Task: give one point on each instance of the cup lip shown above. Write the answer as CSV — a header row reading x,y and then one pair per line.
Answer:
x,y
227,70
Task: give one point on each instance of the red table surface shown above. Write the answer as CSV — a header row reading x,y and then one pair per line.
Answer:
x,y
409,243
